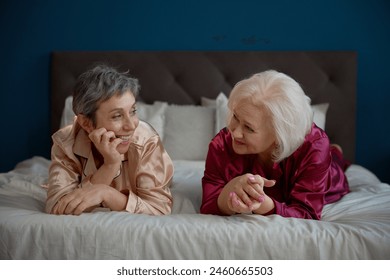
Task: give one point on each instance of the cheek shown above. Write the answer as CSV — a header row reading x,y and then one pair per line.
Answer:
x,y
136,122
260,144
231,124
108,126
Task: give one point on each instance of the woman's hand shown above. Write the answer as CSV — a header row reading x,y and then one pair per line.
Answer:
x,y
244,194
80,200
87,198
106,143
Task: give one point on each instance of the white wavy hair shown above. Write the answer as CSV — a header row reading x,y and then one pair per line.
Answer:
x,y
285,103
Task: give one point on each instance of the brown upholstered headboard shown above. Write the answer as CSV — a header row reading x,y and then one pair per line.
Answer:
x,y
182,77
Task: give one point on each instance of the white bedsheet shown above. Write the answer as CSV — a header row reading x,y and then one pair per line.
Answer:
x,y
356,227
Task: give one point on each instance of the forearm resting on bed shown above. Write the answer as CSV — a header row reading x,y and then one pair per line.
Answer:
x,y
105,174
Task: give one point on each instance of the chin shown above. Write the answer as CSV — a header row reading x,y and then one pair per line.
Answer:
x,y
123,150
239,150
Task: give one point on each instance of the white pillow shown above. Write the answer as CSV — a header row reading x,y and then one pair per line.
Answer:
x,y
154,114
67,113
221,110
208,102
221,113
319,114
188,131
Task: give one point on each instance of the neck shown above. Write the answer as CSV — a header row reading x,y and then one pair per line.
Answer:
x,y
265,158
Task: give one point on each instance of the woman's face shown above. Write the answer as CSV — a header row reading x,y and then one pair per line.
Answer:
x,y
118,114
251,130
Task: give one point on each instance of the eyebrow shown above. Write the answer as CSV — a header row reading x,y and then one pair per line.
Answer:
x,y
121,109
252,126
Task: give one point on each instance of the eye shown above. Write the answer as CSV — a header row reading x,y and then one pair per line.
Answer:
x,y
116,116
134,111
249,129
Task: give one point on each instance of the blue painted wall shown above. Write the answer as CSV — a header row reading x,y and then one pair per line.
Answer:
x,y
30,30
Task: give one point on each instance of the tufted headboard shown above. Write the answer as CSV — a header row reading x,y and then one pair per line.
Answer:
x,y
183,77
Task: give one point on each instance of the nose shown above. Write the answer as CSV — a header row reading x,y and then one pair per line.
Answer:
x,y
130,123
236,131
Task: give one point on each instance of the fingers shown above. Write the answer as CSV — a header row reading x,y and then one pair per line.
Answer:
x,y
102,136
96,135
245,193
74,203
237,205
106,143
269,183
252,189
67,205
258,183
108,137
257,179
72,208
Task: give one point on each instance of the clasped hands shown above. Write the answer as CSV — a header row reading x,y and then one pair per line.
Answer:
x,y
245,194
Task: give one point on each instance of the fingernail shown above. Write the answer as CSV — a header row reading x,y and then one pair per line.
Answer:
x,y
261,198
252,178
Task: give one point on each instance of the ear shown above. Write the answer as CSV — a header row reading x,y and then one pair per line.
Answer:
x,y
85,123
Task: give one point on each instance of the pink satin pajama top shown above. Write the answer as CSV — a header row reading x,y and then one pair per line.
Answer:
x,y
305,181
145,173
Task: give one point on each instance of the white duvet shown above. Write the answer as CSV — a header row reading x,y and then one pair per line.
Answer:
x,y
356,227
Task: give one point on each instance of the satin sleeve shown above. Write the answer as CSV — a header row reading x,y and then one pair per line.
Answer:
x,y
213,180
154,174
64,176
309,170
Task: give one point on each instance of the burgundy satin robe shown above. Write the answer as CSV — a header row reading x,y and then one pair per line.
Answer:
x,y
305,181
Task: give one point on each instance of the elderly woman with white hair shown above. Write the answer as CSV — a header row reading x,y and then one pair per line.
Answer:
x,y
272,158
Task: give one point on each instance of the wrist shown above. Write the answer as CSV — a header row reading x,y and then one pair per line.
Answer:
x,y
112,166
114,199
223,204
106,173
106,196
266,206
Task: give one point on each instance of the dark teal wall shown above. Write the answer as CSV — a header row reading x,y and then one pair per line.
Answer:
x,y
30,30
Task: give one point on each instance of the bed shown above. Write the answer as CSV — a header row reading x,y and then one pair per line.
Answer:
x,y
183,95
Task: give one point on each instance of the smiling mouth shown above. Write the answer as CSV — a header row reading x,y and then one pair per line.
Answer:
x,y
239,142
124,138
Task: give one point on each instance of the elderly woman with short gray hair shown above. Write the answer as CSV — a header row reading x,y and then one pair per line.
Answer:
x,y
108,157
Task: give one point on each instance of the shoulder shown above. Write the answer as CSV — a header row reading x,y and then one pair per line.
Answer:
x,y
222,139
316,135
71,141
66,134
221,145
315,148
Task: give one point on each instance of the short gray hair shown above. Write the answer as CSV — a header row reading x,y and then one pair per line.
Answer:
x,y
98,85
284,101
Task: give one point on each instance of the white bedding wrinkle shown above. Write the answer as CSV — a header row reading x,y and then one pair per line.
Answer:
x,y
356,227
